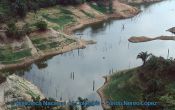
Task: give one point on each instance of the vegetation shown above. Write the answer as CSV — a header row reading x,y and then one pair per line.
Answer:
x,y
10,9
154,82
38,40
16,33
99,8
143,56
43,44
2,78
61,20
9,56
41,25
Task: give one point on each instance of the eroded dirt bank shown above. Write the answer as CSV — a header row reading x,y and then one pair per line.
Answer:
x,y
121,11
68,42
139,1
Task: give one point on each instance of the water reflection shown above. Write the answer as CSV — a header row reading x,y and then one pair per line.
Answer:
x,y
41,64
112,52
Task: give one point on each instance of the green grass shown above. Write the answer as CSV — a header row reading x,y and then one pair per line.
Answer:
x,y
8,56
88,14
64,11
39,40
69,41
48,46
53,45
120,89
57,28
101,9
42,47
61,20
4,8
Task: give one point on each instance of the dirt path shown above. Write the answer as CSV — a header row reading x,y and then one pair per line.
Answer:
x,y
101,94
31,46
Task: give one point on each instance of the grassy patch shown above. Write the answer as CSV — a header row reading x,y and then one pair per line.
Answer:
x,y
39,40
64,11
48,45
53,45
8,56
42,47
120,89
69,41
61,20
57,28
101,9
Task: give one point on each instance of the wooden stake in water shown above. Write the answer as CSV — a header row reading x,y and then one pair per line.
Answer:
x,y
73,75
168,54
123,27
78,52
93,85
109,71
56,92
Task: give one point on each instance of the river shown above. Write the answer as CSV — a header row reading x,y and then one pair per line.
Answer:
x,y
55,78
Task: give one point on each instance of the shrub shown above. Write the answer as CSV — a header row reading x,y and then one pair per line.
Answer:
x,y
26,28
11,30
19,8
14,32
41,25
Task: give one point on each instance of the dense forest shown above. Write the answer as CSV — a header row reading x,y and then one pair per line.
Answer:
x,y
19,8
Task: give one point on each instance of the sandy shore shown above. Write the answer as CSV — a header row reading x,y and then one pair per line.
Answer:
x,y
101,94
146,39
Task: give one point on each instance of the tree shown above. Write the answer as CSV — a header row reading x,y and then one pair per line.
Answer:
x,y
143,56
26,29
41,25
11,29
110,6
17,33
19,7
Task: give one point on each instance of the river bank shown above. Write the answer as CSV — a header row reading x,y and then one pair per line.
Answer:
x,y
122,11
16,88
135,85
38,54
139,1
108,80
